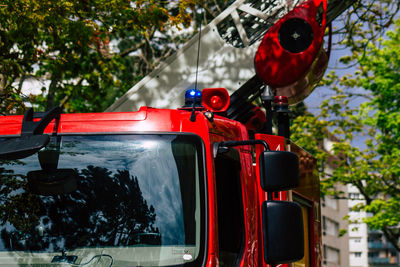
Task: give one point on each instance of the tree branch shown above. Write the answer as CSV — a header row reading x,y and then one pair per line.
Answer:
x,y
55,78
68,96
134,48
392,237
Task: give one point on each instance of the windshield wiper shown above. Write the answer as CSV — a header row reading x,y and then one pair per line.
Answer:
x,y
71,259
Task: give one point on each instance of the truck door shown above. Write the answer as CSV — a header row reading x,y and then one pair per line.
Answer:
x,y
230,208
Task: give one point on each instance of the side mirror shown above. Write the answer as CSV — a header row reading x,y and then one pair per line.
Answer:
x,y
279,170
32,138
22,147
283,235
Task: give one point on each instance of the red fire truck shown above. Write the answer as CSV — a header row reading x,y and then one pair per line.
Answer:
x,y
153,188
170,187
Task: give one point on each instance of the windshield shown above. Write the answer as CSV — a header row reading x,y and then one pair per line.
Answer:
x,y
104,200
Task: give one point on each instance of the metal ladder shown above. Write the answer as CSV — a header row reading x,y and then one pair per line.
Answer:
x,y
227,49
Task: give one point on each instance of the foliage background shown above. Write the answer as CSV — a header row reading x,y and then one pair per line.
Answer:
x,y
360,115
91,51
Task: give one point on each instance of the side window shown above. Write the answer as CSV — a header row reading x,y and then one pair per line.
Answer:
x,y
230,208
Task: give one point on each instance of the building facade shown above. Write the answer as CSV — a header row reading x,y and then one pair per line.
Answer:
x,y
367,247
358,231
335,244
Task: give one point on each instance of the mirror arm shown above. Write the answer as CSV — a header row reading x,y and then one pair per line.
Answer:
x,y
30,127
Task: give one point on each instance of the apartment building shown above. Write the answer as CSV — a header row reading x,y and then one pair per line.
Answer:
x,y
358,231
333,210
367,247
381,253
335,245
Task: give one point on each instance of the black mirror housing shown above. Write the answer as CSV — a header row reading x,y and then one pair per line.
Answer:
x,y
279,170
32,138
22,147
283,235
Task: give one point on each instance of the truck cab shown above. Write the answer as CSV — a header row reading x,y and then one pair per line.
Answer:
x,y
150,188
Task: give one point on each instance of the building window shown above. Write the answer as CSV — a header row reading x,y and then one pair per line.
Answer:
x,y
330,226
331,255
373,254
354,196
331,202
357,254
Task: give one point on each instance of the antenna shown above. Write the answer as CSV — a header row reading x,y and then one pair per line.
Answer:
x,y
193,115
198,54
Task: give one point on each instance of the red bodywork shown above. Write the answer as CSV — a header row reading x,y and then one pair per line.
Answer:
x,y
220,129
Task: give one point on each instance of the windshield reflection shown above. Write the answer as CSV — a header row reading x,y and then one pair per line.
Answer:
x,y
119,191
106,210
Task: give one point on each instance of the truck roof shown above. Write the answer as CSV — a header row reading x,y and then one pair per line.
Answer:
x,y
146,119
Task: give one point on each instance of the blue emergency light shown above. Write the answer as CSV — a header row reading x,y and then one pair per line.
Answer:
x,y
192,98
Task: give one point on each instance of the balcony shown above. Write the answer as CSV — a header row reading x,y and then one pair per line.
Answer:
x,y
379,260
380,245
375,245
383,261
374,232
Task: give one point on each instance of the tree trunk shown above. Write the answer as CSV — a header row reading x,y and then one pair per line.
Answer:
x,y
55,78
392,237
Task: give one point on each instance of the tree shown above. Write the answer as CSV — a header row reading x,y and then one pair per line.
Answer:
x,y
106,209
362,117
68,43
90,52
